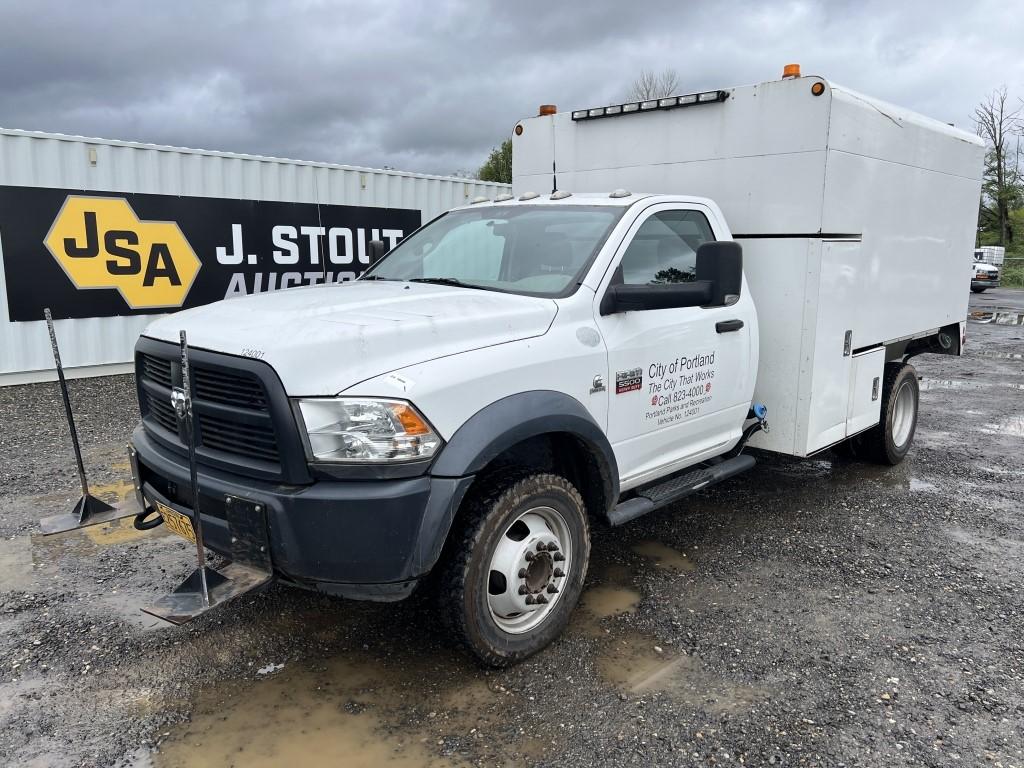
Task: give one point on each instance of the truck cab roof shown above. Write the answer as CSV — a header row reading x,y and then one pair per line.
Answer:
x,y
615,199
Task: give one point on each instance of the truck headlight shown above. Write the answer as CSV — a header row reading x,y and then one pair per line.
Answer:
x,y
360,429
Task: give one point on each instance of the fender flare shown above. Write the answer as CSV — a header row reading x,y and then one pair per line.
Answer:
x,y
485,435
515,418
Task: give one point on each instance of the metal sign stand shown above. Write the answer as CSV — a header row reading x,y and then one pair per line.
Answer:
x,y
250,568
197,518
88,510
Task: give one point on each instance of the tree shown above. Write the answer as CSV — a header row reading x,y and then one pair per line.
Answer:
x,y
1002,187
649,85
499,164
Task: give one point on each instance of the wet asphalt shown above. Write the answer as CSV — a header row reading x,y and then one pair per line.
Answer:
x,y
815,612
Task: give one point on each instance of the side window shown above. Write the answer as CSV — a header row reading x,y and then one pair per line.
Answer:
x,y
664,249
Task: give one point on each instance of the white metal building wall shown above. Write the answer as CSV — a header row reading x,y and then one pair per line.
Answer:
x,y
98,345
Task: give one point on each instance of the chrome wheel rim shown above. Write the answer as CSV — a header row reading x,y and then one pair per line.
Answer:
x,y
903,415
528,569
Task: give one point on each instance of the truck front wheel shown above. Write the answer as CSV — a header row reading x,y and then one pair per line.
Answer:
x,y
889,442
515,568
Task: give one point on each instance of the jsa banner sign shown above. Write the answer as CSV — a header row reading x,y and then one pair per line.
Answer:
x,y
98,254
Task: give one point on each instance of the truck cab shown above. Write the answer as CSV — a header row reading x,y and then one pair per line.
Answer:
x,y
525,367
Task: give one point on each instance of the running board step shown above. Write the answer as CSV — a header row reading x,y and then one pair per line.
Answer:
x,y
678,487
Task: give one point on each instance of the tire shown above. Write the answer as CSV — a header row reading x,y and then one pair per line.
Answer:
x,y
978,290
889,442
507,527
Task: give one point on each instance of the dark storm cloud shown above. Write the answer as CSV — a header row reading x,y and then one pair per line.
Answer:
x,y
432,86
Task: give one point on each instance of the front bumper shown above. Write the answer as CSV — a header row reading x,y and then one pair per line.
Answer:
x,y
364,539
991,283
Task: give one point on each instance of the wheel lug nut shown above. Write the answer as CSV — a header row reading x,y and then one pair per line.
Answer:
x,y
541,546
559,557
559,573
523,590
522,573
541,599
529,557
530,600
552,589
552,547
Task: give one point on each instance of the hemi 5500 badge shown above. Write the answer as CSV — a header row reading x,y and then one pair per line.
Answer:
x,y
629,381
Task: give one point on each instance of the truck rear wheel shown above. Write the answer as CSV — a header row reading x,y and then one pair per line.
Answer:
x,y
978,290
889,442
516,567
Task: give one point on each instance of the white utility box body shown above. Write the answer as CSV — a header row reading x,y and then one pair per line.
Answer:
x,y
854,216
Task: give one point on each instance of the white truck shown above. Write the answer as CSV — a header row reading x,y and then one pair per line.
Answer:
x,y
985,267
522,368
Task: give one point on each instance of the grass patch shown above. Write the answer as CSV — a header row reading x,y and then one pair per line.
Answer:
x,y
1012,272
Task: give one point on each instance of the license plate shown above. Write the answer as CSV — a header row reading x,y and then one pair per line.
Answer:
x,y
176,522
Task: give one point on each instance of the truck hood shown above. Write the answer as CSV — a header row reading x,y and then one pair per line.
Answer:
x,y
980,267
322,340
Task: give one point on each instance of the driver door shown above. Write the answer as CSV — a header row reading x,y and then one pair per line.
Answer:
x,y
679,380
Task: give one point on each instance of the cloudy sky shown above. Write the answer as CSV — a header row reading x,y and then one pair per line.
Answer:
x,y
432,86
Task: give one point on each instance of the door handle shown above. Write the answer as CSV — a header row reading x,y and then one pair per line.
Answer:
x,y
725,326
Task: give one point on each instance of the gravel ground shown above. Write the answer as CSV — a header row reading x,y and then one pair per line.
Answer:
x,y
818,612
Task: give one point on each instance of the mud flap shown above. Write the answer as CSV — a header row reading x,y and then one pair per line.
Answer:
x,y
250,570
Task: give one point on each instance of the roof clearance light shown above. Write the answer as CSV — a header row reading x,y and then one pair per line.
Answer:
x,y
504,198
669,102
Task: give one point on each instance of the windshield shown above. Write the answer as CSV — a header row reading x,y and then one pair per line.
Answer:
x,y
533,250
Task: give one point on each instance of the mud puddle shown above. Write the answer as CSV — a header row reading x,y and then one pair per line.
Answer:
x,y
355,711
612,595
35,563
639,665
664,556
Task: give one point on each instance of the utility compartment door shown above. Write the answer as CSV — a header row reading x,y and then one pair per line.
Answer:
x,y
865,391
838,302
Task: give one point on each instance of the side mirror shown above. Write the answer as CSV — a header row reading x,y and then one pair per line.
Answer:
x,y
717,284
633,298
720,262
377,251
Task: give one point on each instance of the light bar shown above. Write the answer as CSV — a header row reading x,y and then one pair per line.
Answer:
x,y
651,105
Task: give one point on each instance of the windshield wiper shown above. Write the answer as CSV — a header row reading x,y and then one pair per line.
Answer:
x,y
442,281
374,277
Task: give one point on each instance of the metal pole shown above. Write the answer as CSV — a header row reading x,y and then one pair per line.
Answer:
x,y
67,406
197,521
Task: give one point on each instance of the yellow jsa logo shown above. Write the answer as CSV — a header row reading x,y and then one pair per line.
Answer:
x,y
100,243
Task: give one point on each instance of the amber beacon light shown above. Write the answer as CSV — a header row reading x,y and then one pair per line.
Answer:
x,y
790,70
547,109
